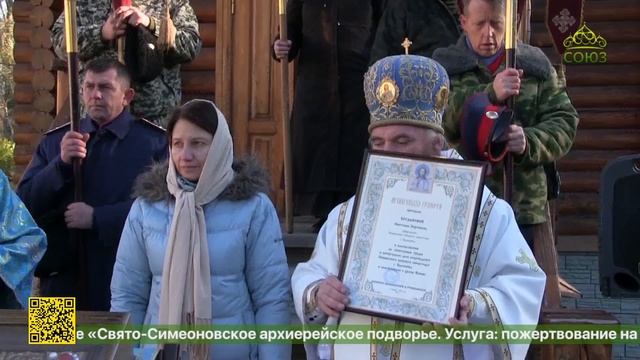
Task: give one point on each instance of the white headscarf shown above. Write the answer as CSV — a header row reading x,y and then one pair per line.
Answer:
x,y
186,274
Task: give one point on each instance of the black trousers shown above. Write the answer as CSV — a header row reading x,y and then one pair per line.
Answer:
x,y
7,298
530,232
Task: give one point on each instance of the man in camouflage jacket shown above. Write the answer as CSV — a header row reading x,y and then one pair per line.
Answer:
x,y
98,27
545,120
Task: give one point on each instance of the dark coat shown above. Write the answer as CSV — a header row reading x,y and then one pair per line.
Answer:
x,y
117,154
428,24
332,40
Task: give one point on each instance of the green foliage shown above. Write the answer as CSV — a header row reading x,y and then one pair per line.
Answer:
x,y
6,156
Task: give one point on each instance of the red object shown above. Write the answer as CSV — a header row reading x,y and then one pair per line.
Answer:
x,y
65,356
118,3
493,67
563,18
482,125
485,133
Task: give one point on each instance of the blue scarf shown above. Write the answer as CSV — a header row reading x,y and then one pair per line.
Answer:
x,y
486,60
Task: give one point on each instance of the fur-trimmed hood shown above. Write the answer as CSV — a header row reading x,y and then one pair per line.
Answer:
x,y
457,59
250,178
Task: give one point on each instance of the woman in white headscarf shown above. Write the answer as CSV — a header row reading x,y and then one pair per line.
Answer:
x,y
202,243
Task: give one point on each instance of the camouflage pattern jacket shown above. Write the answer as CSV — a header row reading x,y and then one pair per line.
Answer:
x,y
156,98
543,109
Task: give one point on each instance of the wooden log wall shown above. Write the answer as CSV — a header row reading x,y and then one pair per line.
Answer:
x,y
34,101
198,77
607,97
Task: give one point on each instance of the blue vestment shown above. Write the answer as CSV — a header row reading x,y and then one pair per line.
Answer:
x,y
22,244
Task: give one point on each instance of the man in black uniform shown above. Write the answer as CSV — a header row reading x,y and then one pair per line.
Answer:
x,y
428,24
114,147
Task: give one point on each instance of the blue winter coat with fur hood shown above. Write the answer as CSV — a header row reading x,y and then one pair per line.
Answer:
x,y
249,272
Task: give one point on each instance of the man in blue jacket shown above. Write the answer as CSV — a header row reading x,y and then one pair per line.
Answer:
x,y
114,147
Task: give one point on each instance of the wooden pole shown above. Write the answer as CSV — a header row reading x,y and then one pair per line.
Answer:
x,y
547,256
524,30
71,39
120,49
120,41
286,126
511,19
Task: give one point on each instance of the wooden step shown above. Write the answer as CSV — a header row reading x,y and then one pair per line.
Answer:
x,y
303,235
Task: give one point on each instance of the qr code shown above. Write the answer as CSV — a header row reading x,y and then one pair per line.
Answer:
x,y
52,320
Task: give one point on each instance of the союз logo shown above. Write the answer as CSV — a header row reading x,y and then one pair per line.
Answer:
x,y
584,46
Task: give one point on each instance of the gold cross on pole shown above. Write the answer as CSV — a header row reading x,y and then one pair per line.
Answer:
x,y
406,44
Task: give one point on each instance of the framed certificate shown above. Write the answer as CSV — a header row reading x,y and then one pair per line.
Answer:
x,y
410,235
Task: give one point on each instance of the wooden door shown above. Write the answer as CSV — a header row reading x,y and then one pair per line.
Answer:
x,y
248,83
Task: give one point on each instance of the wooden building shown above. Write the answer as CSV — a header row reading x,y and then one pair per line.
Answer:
x,y
607,97
235,68
240,76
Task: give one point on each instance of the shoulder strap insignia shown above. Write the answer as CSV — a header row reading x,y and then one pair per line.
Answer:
x,y
152,124
67,124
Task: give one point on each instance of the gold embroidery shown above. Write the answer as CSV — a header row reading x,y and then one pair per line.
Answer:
x,y
309,297
472,303
340,232
441,98
476,271
373,347
387,92
397,345
525,259
483,218
495,315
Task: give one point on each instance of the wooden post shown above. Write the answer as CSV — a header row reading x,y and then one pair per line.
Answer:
x,y
62,90
71,40
524,29
511,18
547,256
120,42
286,127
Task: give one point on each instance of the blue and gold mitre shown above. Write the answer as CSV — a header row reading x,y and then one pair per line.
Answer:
x,y
406,90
